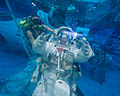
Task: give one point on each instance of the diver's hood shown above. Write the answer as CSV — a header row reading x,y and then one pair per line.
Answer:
x,y
36,20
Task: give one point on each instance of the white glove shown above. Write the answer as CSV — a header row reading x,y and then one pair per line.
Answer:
x,y
86,49
39,44
42,38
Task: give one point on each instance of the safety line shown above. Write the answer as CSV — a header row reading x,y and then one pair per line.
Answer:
x,y
12,15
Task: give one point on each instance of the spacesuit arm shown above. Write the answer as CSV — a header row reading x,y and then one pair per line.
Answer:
x,y
39,44
43,47
84,53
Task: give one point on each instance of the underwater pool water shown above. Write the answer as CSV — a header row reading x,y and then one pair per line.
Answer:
x,y
95,22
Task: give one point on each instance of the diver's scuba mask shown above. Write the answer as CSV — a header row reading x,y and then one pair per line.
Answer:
x,y
36,20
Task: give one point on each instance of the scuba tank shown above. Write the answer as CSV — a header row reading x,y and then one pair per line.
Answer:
x,y
25,23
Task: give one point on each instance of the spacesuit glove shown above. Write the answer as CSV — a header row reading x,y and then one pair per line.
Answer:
x,y
86,49
42,38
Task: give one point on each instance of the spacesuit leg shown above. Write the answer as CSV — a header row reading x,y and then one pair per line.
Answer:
x,y
76,72
73,87
40,90
45,85
36,72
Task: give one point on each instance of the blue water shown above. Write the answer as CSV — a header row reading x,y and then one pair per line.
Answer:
x,y
100,75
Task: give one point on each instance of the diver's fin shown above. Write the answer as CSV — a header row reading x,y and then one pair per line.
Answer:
x,y
61,88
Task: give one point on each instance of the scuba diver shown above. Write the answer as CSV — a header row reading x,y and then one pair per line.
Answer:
x,y
32,28
60,61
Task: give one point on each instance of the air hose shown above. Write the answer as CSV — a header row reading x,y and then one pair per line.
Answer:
x,y
20,32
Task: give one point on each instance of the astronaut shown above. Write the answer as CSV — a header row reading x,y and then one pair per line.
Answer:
x,y
61,56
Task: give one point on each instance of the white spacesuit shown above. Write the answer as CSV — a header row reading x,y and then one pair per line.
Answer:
x,y
60,55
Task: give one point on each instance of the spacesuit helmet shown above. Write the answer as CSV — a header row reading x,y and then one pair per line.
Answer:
x,y
64,34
